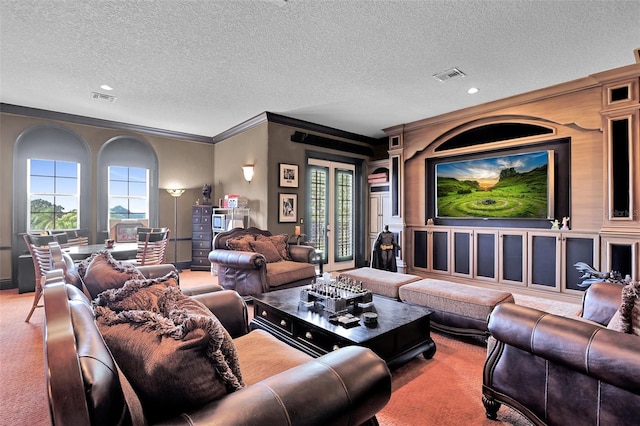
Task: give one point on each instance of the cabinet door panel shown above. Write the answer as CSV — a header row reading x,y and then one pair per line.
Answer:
x,y
577,250
420,249
513,268
440,255
486,257
462,252
544,260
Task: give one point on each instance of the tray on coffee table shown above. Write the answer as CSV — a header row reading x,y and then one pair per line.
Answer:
x,y
401,332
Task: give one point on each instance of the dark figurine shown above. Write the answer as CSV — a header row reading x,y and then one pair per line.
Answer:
x,y
206,194
384,251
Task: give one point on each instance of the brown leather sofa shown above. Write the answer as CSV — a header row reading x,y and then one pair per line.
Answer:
x,y
249,272
283,385
564,371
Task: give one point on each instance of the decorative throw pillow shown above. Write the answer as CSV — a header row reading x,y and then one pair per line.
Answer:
x,y
175,353
280,242
240,243
267,249
104,272
627,318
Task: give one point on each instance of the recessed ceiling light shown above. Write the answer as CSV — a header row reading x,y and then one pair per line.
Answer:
x,y
106,87
472,91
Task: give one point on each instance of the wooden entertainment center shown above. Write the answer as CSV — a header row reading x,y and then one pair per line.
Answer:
x,y
598,117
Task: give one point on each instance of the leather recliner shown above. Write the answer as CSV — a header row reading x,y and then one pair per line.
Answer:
x,y
84,386
564,371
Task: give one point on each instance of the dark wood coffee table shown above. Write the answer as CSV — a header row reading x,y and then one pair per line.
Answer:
x,y
401,333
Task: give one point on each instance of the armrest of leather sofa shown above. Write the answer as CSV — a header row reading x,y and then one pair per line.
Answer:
x,y
156,271
601,301
347,386
237,259
229,307
588,348
306,254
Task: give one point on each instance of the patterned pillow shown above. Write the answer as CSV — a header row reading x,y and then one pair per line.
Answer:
x,y
103,272
627,318
174,351
267,249
240,243
280,242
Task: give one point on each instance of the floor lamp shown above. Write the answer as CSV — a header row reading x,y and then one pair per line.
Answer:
x,y
175,193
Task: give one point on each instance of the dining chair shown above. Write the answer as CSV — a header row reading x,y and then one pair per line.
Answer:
x,y
152,248
39,248
78,237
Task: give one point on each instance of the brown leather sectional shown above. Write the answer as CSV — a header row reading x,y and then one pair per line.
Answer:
x,y
346,387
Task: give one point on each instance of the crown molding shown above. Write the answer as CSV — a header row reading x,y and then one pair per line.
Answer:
x,y
270,117
97,122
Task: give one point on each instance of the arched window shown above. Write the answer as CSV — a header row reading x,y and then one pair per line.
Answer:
x,y
52,180
127,181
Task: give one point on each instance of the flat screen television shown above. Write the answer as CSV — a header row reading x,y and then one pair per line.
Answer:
x,y
508,186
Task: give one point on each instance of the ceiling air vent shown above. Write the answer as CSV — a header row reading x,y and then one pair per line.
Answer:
x,y
449,74
102,97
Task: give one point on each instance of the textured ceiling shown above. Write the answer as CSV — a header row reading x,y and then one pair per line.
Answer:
x,y
202,66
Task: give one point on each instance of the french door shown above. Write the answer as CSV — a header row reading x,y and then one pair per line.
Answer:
x,y
330,212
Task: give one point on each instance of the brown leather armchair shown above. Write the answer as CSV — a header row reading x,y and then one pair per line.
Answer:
x,y
249,273
345,387
558,370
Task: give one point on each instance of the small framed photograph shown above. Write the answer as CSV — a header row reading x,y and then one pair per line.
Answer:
x,y
288,208
288,175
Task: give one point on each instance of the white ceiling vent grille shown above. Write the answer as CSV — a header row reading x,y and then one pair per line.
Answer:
x,y
102,97
449,74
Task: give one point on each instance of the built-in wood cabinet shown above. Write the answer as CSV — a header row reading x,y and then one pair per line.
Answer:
x,y
536,259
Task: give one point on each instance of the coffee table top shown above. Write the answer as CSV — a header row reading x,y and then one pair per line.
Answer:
x,y
391,314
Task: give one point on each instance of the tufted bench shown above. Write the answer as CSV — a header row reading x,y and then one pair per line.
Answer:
x,y
457,308
380,282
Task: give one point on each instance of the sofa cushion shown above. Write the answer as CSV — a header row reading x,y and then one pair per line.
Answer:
x,y
255,366
281,243
103,272
267,249
627,317
172,349
240,243
287,271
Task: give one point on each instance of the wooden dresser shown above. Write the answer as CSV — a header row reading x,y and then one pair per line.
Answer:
x,y
201,237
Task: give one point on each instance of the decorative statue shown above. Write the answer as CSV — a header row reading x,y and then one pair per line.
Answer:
x,y
565,223
555,224
591,275
206,194
384,251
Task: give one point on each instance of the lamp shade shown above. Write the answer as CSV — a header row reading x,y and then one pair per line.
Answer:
x,y
247,171
175,192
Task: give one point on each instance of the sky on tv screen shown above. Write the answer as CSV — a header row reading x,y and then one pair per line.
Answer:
x,y
506,186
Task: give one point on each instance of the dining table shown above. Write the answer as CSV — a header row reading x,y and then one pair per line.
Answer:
x,y
119,251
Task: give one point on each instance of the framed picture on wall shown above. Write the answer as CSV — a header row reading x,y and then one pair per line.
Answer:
x,y
288,175
288,208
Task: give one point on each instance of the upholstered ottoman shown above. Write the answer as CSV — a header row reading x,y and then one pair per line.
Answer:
x,y
457,308
380,282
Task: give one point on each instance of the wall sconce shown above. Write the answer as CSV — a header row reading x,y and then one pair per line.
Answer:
x,y
247,171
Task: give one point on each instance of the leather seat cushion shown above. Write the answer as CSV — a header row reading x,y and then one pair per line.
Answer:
x,y
287,271
381,282
255,366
